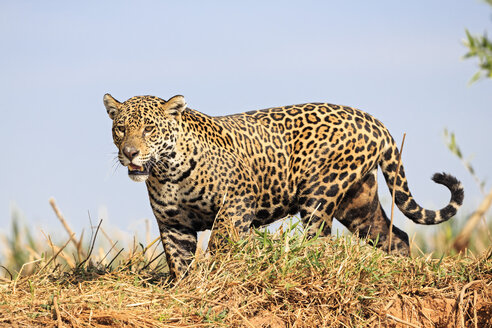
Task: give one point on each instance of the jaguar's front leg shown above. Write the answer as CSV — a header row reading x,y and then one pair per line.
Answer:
x,y
233,220
179,245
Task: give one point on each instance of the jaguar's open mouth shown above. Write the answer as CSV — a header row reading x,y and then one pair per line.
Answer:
x,y
138,170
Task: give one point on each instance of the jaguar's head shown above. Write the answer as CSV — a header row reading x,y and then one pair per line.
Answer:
x,y
145,130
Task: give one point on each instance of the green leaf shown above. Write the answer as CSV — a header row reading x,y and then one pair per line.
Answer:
x,y
475,77
471,40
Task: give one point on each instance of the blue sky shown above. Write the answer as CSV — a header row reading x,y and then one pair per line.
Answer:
x,y
400,61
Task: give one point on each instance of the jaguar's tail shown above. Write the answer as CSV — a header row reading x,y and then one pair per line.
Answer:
x,y
403,197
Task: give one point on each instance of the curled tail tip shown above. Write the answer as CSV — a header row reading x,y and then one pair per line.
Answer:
x,y
453,184
420,215
445,179
457,195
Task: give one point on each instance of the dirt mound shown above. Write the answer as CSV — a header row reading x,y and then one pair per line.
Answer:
x,y
472,308
281,280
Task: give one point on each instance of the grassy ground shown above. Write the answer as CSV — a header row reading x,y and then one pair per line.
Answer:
x,y
268,280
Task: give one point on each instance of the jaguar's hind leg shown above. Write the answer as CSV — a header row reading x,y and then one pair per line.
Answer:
x,y
361,212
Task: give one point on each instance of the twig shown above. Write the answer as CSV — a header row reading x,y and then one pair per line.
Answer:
x,y
461,298
90,317
142,303
56,249
19,274
57,311
151,261
10,274
402,321
55,255
93,237
106,255
461,241
114,258
111,242
150,245
390,303
133,254
393,193
60,217
475,320
62,255
147,231
80,252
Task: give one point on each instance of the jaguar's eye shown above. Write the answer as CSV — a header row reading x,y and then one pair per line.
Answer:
x,y
121,128
149,129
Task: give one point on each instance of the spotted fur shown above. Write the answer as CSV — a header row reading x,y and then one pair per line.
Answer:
x,y
250,169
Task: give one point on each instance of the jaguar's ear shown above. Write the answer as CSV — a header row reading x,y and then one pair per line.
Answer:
x,y
112,105
175,105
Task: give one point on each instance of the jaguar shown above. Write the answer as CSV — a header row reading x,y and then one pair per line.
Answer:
x,y
317,160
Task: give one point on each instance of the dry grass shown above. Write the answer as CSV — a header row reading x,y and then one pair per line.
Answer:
x,y
268,280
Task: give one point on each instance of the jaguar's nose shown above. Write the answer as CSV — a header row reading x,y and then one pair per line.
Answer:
x,y
130,152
